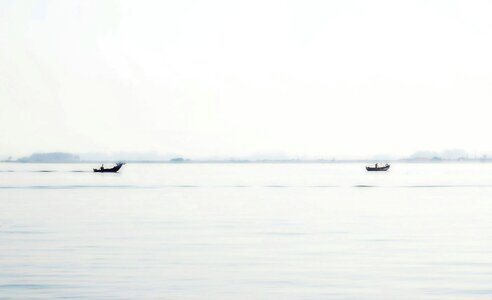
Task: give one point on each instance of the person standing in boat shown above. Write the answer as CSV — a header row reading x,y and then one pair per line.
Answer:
x,y
102,167
376,165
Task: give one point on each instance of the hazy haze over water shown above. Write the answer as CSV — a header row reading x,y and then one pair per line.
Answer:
x,y
225,78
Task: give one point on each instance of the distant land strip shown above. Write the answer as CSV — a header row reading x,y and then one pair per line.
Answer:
x,y
64,157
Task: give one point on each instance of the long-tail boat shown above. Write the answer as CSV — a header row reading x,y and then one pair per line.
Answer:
x,y
110,170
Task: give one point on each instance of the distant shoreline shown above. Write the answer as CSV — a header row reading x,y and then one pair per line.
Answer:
x,y
66,157
252,161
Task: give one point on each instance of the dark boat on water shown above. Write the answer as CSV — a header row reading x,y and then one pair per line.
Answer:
x,y
110,170
378,168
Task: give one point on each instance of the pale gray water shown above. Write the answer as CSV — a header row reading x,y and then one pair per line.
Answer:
x,y
246,231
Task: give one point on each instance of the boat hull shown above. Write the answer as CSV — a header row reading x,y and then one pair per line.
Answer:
x,y
379,169
111,170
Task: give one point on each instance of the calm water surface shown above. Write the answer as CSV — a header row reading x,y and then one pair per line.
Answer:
x,y
246,231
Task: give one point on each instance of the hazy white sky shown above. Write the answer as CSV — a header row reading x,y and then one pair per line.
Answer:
x,y
233,78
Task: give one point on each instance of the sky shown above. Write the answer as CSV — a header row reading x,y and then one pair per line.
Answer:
x,y
323,79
